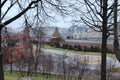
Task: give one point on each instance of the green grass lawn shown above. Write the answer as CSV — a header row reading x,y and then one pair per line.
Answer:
x,y
15,75
9,76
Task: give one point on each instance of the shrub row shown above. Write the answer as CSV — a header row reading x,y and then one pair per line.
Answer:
x,y
80,48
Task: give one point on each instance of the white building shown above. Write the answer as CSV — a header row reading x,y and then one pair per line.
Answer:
x,y
83,32
78,32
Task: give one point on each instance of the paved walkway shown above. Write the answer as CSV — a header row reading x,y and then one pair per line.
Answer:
x,y
94,61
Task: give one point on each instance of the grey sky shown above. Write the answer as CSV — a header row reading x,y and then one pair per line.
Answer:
x,y
60,21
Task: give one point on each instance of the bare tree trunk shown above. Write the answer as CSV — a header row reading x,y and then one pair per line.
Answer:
x,y
115,27
64,72
1,60
1,54
116,42
104,41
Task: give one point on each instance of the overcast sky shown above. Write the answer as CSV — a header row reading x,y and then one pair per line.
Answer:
x,y
60,21
18,24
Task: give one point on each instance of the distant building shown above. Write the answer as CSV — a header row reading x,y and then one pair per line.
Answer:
x,y
56,33
16,46
82,32
15,51
56,37
78,32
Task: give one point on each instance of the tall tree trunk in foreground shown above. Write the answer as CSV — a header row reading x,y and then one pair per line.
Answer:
x,y
1,54
116,43
104,41
1,59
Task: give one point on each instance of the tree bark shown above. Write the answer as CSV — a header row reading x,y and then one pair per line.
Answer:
x,y
1,59
1,54
116,42
104,41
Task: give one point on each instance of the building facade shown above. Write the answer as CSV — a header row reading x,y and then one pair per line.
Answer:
x,y
15,46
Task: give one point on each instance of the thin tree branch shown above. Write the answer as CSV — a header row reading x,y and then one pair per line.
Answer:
x,y
8,9
21,13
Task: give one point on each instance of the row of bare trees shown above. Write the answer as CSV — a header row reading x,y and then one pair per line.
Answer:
x,y
26,67
101,16
97,14
34,9
73,69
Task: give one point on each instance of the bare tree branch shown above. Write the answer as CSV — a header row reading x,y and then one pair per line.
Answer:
x,y
21,13
2,4
8,9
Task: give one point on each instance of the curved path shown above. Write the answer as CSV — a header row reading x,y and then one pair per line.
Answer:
x,y
94,61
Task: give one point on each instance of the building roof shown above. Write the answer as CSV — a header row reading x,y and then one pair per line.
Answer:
x,y
56,31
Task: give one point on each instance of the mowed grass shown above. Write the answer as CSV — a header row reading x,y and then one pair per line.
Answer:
x,y
82,52
15,75
9,76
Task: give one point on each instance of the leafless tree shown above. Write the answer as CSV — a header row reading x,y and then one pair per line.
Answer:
x,y
62,67
111,70
78,68
38,33
49,64
98,15
45,64
28,7
38,23
73,68
41,59
116,25
25,66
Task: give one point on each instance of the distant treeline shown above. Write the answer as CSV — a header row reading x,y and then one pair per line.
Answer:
x,y
80,48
